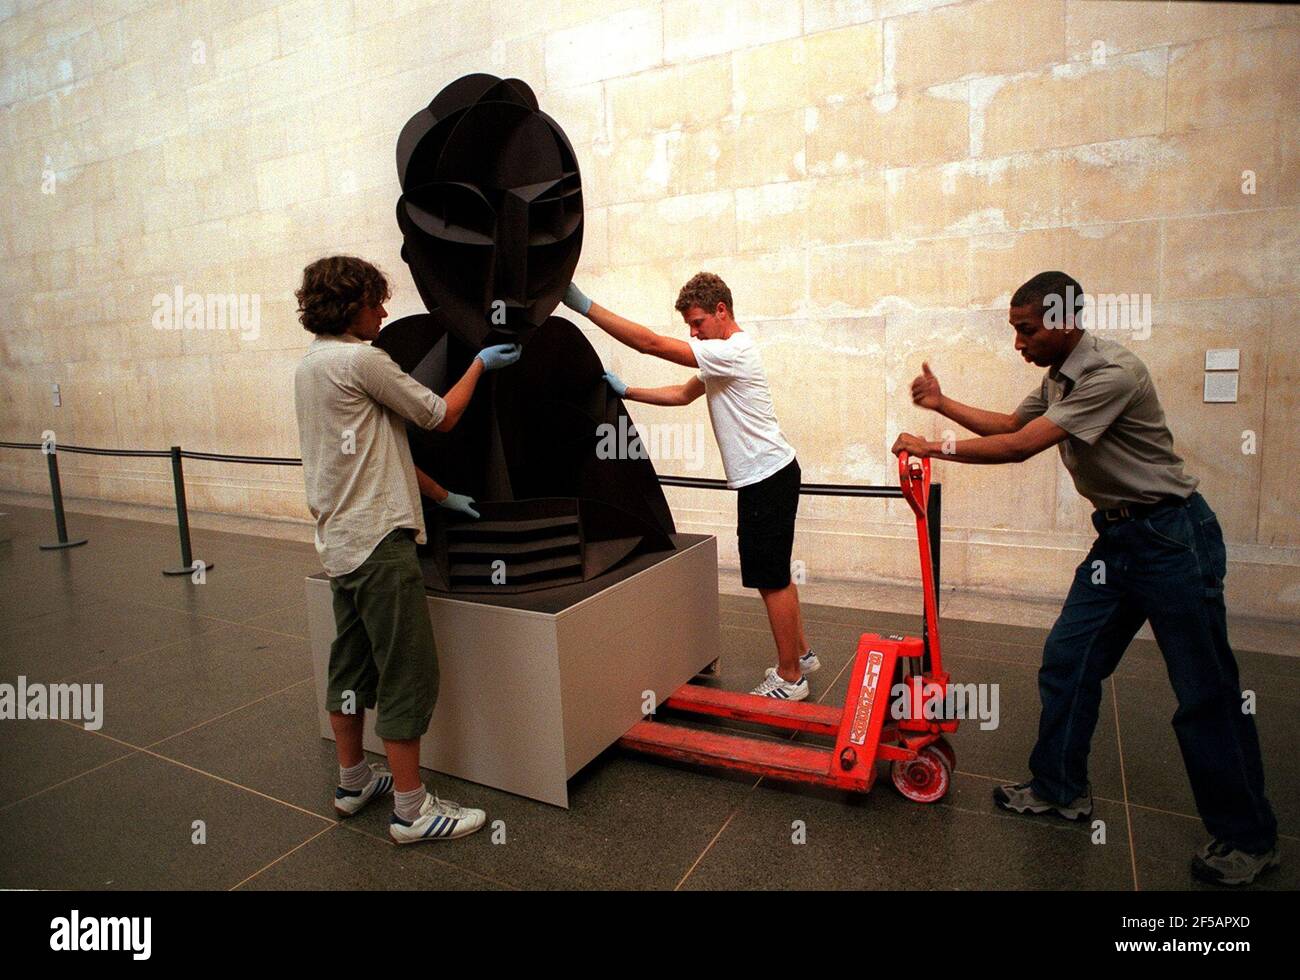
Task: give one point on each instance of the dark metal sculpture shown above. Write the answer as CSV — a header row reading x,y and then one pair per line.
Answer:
x,y
491,220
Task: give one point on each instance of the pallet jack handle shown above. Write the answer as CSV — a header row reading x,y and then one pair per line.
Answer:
x,y
914,479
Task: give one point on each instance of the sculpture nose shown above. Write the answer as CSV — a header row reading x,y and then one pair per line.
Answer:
x,y
510,274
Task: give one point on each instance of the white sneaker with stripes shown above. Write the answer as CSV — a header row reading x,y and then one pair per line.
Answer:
x,y
438,820
776,686
350,801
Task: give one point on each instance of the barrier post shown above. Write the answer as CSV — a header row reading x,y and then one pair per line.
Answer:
x,y
182,519
56,491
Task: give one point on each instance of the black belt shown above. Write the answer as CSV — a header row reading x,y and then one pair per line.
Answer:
x,y
1130,512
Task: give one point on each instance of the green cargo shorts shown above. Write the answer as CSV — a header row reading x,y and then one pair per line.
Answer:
x,y
384,654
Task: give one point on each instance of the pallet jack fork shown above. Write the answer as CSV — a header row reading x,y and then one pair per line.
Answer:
x,y
868,728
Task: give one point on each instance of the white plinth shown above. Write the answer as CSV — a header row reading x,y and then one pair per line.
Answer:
x,y
531,692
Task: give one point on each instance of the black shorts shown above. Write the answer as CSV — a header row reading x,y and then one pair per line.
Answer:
x,y
765,513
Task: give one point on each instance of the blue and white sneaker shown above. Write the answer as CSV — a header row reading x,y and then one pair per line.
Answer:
x,y
776,686
348,802
438,820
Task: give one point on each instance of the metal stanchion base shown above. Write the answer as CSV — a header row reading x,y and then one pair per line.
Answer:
x,y
62,544
207,566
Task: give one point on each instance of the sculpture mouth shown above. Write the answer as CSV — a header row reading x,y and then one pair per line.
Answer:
x,y
527,545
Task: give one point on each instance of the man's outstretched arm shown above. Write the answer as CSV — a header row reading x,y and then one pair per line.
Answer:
x,y
458,398
639,338
682,394
1007,447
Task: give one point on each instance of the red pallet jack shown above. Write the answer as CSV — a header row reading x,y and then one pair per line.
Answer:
x,y
922,758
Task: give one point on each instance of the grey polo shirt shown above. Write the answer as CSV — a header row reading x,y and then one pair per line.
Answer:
x,y
352,401
1119,450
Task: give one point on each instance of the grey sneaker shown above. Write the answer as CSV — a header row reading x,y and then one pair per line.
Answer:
x,y
1019,798
1220,863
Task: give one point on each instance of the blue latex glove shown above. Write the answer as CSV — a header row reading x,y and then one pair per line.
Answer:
x,y
576,300
617,383
459,502
502,355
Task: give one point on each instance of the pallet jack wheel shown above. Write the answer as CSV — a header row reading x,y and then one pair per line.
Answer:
x,y
945,750
923,779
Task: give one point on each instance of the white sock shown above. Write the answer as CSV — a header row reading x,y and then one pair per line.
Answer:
x,y
407,805
356,777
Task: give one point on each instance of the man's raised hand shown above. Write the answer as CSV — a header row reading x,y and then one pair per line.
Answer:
x,y
925,389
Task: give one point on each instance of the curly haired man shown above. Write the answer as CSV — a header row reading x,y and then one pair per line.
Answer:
x,y
352,401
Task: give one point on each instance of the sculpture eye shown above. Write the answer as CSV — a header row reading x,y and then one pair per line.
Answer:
x,y
453,211
555,213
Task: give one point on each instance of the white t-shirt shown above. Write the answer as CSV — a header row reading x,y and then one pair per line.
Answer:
x,y
740,407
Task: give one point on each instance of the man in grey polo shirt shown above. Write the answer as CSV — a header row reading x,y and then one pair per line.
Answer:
x,y
1159,557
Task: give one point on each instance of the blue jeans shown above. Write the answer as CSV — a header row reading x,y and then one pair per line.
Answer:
x,y
1167,568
